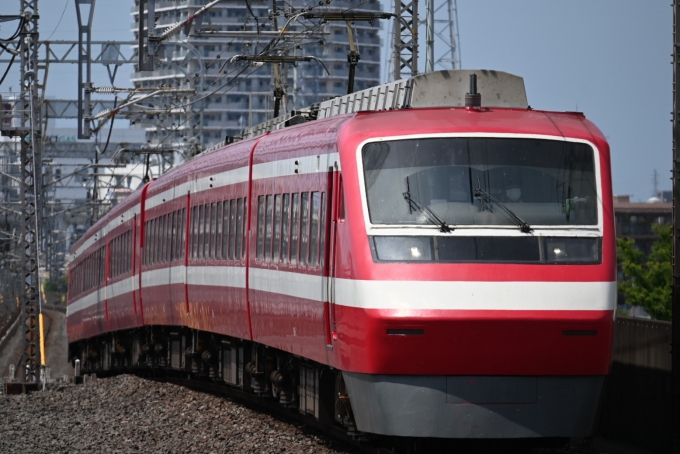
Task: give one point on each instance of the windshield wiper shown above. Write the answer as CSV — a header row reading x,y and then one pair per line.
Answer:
x,y
429,214
523,226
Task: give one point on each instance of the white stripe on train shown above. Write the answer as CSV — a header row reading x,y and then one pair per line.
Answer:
x,y
400,295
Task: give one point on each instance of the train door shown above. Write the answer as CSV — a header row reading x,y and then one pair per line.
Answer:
x,y
331,206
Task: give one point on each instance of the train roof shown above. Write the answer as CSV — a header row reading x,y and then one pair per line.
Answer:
x,y
399,108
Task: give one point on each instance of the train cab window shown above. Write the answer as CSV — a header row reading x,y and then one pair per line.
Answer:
x,y
304,228
213,229
260,226
241,230
268,229
295,229
285,230
314,230
277,228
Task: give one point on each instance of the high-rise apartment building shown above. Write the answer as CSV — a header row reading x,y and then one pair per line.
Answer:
x,y
241,95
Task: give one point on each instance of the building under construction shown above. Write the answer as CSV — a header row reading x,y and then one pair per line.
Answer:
x,y
207,59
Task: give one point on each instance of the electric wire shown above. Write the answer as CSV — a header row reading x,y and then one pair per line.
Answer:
x,y
60,18
9,66
22,22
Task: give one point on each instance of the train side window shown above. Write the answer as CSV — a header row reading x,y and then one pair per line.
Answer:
x,y
149,245
285,230
182,238
225,229
241,230
201,230
208,230
157,240
341,199
217,253
277,228
152,243
322,230
126,255
206,233
112,258
233,227
295,229
304,228
194,232
269,223
314,230
172,236
145,257
213,229
162,228
167,238
162,238
260,226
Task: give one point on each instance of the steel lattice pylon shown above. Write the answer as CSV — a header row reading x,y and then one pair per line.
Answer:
x,y
447,32
31,143
405,35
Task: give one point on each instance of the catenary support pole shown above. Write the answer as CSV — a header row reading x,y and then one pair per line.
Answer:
x,y
675,347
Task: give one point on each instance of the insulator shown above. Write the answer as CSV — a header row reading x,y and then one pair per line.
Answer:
x,y
107,90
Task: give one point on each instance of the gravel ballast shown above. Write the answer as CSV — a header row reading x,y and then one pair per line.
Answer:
x,y
128,414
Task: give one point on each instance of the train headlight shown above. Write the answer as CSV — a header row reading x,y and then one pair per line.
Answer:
x,y
572,250
403,248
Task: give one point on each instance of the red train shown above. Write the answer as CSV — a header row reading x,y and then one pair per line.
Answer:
x,y
406,261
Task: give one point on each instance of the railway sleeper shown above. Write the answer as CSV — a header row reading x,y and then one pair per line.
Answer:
x,y
314,389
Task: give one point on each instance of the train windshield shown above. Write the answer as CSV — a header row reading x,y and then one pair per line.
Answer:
x,y
476,181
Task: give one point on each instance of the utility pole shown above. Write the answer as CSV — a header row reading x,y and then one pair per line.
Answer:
x,y
675,324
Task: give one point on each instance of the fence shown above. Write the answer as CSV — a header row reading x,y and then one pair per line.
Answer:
x,y
636,408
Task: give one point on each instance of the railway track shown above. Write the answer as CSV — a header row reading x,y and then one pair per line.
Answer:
x,y
356,443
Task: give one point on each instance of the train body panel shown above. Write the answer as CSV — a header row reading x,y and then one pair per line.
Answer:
x,y
311,240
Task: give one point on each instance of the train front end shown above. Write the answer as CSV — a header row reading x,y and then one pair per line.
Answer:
x,y
475,278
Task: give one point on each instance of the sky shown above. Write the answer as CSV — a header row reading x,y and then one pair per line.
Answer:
x,y
610,59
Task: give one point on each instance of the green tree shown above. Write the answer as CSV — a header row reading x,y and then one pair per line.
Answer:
x,y
648,282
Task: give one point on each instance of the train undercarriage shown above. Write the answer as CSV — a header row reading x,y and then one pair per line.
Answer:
x,y
316,390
